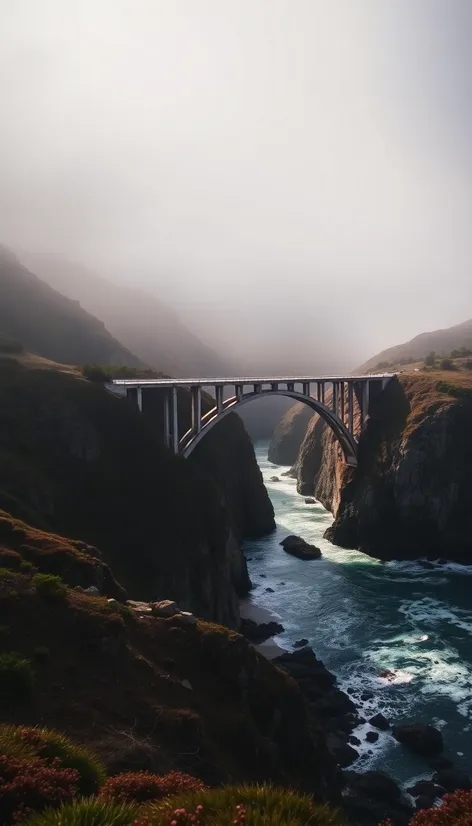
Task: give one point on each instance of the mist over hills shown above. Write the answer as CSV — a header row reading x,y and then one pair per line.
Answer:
x,y
147,326
442,342
46,322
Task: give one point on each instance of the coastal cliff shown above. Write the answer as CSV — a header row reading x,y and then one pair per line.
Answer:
x,y
410,494
78,461
289,434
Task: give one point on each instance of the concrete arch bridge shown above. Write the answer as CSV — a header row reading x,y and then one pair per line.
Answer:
x,y
337,400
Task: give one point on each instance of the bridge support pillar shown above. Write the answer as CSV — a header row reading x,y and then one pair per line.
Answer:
x,y
219,397
342,402
196,409
175,421
167,418
306,388
238,391
335,397
350,408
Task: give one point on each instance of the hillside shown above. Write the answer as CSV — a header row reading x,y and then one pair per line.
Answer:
x,y
47,323
441,342
145,325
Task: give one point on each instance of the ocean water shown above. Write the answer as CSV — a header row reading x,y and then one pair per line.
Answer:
x,y
397,634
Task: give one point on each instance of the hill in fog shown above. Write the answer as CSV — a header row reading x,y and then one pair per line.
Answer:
x,y
442,342
147,326
49,324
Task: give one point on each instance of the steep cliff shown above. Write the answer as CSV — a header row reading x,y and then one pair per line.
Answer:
x,y
289,434
76,460
410,495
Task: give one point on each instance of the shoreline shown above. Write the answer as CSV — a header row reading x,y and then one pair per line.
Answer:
x,y
250,610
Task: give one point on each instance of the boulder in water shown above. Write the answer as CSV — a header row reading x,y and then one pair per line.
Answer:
x,y
300,643
452,780
420,738
310,501
379,721
296,546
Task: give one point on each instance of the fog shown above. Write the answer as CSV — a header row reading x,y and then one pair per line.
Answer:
x,y
293,175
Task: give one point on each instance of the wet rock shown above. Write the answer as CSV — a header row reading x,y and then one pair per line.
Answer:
x,y
259,632
310,501
452,780
300,643
372,736
424,802
373,797
440,763
379,721
296,546
270,590
281,583
274,479
420,738
367,695
354,741
263,576
343,753
426,788
165,608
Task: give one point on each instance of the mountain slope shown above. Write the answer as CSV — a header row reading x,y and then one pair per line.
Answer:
x,y
47,323
144,324
441,342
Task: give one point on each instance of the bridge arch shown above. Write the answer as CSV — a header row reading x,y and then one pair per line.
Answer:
x,y
191,438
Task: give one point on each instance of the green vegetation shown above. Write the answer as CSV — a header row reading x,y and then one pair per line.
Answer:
x,y
16,677
251,805
447,364
92,812
50,586
101,373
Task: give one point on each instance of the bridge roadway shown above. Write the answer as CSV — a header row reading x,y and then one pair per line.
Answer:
x,y
347,395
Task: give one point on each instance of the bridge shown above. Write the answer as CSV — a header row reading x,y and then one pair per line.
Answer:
x,y
338,400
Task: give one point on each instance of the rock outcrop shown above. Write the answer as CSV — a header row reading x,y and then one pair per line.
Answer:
x,y
161,693
410,495
77,461
289,434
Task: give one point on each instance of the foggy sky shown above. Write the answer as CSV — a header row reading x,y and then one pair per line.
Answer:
x,y
304,166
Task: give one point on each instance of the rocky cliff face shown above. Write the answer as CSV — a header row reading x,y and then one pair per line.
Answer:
x,y
78,461
289,434
410,495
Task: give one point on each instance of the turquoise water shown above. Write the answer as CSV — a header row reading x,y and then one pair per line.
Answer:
x,y
363,618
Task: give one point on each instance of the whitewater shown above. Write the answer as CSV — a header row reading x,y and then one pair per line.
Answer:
x,y
397,635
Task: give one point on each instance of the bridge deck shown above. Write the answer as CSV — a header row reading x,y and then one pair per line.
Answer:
x,y
194,382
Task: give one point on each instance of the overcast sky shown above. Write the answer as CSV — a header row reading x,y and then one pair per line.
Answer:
x,y
304,164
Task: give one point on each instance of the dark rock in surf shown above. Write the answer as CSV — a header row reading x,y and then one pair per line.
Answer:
x,y
372,736
420,738
374,797
296,546
300,643
259,632
379,721
310,501
452,780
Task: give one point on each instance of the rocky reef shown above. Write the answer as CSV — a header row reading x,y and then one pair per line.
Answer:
x,y
410,494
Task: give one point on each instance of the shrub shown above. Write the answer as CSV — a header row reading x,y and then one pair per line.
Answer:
x,y
252,805
50,586
456,810
30,785
50,745
91,812
141,786
96,373
430,359
447,364
16,677
468,365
